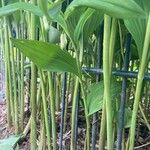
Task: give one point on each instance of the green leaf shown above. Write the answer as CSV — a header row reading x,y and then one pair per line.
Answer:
x,y
137,27
47,56
55,14
92,24
54,35
95,95
9,9
9,143
84,17
128,117
44,6
114,8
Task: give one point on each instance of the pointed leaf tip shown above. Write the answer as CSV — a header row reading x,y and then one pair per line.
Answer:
x,y
47,56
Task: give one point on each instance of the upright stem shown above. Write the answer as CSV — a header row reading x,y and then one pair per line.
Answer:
x,y
106,68
139,84
74,104
103,127
77,81
22,27
8,98
52,106
13,79
45,110
42,141
33,89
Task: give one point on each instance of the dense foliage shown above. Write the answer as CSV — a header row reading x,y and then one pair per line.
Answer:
x,y
47,43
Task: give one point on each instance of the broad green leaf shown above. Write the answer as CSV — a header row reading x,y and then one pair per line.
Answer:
x,y
51,10
16,15
84,17
44,5
95,95
9,143
137,27
128,117
47,56
73,20
55,14
9,9
92,25
114,8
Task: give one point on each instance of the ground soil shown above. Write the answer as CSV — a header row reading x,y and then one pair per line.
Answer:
x,y
142,140
5,131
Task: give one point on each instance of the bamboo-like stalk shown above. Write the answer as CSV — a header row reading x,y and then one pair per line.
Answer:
x,y
5,43
106,68
22,70
103,127
52,106
22,92
57,93
139,84
42,141
79,58
74,104
45,110
111,54
9,94
13,79
51,93
33,89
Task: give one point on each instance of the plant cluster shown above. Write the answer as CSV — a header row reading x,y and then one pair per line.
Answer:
x,y
46,44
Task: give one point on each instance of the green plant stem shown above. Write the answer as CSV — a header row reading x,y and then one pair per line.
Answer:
x,y
79,58
33,106
74,104
112,43
66,104
103,128
42,141
13,67
107,22
9,103
87,119
52,106
51,92
22,70
22,93
45,110
33,133
139,84
111,54
57,93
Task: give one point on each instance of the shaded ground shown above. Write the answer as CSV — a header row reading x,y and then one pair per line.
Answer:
x,y
142,140
4,131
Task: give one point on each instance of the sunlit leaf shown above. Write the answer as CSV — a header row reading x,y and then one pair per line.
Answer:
x,y
115,8
9,9
137,27
48,56
92,24
84,17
